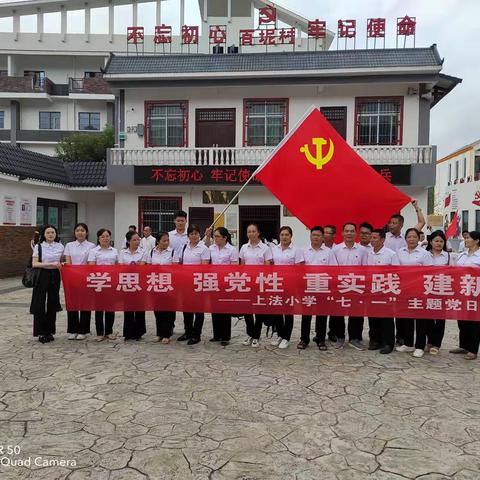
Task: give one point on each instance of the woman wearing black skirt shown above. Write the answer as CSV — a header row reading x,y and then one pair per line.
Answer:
x,y
45,303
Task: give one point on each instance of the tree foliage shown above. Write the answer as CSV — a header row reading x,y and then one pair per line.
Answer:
x,y
84,147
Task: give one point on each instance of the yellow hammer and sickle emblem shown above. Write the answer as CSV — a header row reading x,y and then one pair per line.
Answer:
x,y
319,160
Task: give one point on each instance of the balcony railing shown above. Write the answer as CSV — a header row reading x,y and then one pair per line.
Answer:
x,y
92,85
374,155
28,84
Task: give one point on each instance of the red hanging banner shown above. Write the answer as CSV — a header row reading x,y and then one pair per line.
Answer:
x,y
404,292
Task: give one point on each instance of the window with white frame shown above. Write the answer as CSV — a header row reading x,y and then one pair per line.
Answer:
x,y
379,121
2,119
89,121
265,122
49,121
166,124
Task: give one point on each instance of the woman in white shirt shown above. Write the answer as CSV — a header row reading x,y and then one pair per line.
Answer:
x,y
255,252
76,253
104,254
133,322
411,255
163,254
222,253
285,254
433,330
194,252
45,302
469,338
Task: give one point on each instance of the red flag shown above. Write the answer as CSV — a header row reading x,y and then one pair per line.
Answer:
x,y
448,200
321,180
453,230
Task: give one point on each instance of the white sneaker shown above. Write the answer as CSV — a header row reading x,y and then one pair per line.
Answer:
x,y
255,343
404,348
284,344
247,342
81,337
276,342
72,336
418,353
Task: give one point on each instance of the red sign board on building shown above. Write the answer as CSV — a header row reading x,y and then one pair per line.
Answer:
x,y
217,34
267,15
190,35
163,34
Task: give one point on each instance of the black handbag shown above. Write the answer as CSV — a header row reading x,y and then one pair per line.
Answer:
x,y
31,274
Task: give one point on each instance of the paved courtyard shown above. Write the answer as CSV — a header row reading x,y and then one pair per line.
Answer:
x,y
142,410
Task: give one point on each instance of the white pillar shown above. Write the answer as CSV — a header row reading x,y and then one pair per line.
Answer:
x,y
205,10
158,13
16,25
12,66
87,22
63,28
182,13
135,13
39,24
111,20
229,11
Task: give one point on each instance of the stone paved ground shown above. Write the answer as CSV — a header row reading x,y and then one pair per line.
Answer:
x,y
148,411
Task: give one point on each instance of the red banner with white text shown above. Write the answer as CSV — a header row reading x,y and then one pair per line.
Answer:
x,y
415,292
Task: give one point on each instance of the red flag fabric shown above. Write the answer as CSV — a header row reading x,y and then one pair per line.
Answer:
x,y
321,180
453,230
448,200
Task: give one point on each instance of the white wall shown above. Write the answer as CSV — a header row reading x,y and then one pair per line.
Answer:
x,y
301,98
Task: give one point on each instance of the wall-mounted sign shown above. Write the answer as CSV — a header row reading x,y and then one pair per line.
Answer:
x,y
26,210
9,210
395,174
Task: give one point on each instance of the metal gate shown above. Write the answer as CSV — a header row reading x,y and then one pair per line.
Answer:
x,y
158,212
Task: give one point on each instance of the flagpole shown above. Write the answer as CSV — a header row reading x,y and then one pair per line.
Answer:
x,y
304,116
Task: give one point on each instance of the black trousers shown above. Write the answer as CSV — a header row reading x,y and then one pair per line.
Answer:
x,y
254,325
45,302
134,325
381,331
193,324
355,327
107,328
78,322
284,326
320,328
469,335
421,329
405,331
165,322
435,332
222,326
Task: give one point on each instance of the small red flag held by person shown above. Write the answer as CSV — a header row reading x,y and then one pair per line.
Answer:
x,y
321,180
453,230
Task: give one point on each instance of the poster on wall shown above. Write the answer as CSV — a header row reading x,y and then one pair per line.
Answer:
x,y
9,210
26,209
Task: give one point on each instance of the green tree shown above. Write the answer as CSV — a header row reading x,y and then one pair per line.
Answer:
x,y
84,147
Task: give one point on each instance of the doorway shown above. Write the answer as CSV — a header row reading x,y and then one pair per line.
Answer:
x,y
215,127
200,216
267,217
337,116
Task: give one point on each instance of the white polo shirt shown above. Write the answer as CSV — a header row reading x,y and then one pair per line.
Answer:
x,y
127,257
395,243
418,256
103,256
349,256
287,256
51,252
444,258
385,256
255,254
177,240
466,260
78,251
148,243
164,257
321,256
195,255
227,255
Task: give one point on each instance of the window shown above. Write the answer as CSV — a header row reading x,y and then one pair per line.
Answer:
x,y
49,121
477,165
464,167
465,220
158,212
265,122
379,121
88,121
477,220
457,170
166,124
449,172
59,213
93,75
38,78
2,119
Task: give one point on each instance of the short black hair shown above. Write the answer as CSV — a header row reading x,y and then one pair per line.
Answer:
x,y
366,225
350,223
132,226
317,228
287,228
180,213
42,233
193,228
380,231
398,217
412,230
332,227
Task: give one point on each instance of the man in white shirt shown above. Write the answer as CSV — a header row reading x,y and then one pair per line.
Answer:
x,y
131,228
329,235
365,235
394,239
178,236
381,330
148,241
349,253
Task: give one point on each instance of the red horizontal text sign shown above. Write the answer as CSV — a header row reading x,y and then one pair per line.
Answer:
x,y
415,292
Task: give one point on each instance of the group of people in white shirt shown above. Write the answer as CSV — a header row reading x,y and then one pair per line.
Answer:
x,y
184,245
